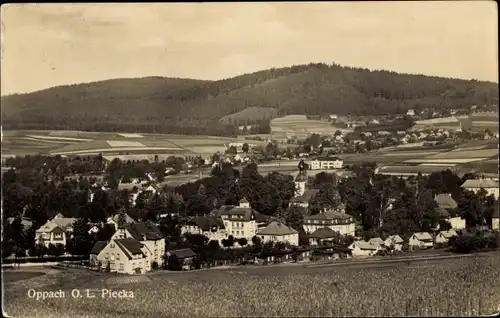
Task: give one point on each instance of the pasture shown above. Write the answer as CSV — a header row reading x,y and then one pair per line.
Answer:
x,y
299,125
465,286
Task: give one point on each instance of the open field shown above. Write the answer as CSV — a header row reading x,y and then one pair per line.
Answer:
x,y
18,142
299,125
457,287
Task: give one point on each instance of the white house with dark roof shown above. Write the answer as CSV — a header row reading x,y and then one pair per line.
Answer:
x,y
147,234
445,236
325,163
421,240
279,232
241,221
124,255
55,231
489,185
363,248
335,219
210,226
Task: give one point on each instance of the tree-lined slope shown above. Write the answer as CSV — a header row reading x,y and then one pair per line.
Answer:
x,y
170,105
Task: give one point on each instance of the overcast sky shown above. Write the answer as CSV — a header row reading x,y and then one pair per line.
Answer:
x,y
56,44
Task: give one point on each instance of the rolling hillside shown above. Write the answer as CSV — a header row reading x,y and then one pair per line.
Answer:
x,y
171,105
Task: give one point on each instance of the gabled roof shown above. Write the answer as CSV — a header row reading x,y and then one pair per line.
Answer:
x,y
144,231
306,197
116,217
98,247
63,223
480,183
206,222
323,233
445,201
244,200
423,236
130,246
376,240
277,228
395,239
182,253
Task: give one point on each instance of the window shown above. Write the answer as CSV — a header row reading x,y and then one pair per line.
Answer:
x,y
122,267
112,265
112,245
118,256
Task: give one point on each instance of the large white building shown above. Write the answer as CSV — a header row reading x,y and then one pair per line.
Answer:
x,y
489,185
147,234
241,221
279,232
325,163
55,231
335,219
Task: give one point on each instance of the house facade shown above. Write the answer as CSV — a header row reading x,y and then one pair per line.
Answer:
x,y
210,226
489,185
279,232
322,235
335,219
241,221
495,220
421,240
457,223
304,199
126,255
325,163
148,235
113,220
56,231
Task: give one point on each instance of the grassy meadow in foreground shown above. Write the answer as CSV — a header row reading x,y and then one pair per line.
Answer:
x,y
451,288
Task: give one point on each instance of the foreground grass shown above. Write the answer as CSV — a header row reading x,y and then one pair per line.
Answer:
x,y
452,288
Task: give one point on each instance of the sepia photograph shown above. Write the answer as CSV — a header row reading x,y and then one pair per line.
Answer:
x,y
250,159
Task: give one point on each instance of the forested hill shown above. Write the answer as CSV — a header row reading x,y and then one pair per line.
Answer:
x,y
193,106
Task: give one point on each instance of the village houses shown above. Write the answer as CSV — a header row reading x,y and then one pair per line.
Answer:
x,y
55,231
363,248
395,242
114,220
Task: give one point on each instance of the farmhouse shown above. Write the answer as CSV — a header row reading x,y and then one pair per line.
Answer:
x,y
445,236
363,248
321,163
147,234
125,255
279,232
394,241
335,219
489,185
55,231
304,199
421,240
241,220
376,241
456,223
410,112
181,257
209,225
